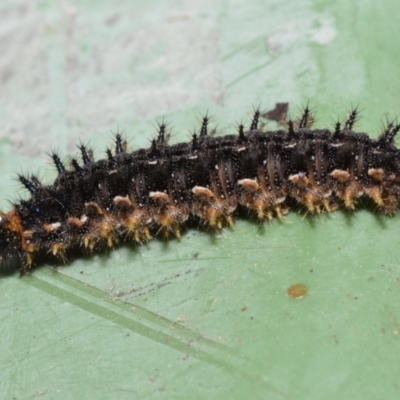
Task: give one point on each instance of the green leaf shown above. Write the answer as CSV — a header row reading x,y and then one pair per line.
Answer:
x,y
209,315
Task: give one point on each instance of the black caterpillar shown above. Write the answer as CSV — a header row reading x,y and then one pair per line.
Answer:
x,y
129,196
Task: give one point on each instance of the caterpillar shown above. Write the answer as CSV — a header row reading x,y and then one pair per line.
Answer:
x,y
130,196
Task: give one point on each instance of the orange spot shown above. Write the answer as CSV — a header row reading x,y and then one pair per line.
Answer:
x,y
202,191
122,201
13,222
299,179
249,184
376,173
160,197
297,291
75,221
340,175
94,207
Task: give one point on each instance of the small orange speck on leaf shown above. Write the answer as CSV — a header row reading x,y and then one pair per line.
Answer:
x,y
297,291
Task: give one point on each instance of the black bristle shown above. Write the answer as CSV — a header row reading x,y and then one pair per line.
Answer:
x,y
242,136
194,140
305,118
351,120
119,147
110,155
84,152
393,133
389,133
153,146
204,126
291,128
161,133
57,162
254,122
388,128
75,165
28,184
35,180
338,130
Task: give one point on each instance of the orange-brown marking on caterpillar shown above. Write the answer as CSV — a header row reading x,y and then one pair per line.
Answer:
x,y
123,201
300,180
249,184
377,174
51,227
93,206
13,223
340,175
166,216
75,222
160,197
199,191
